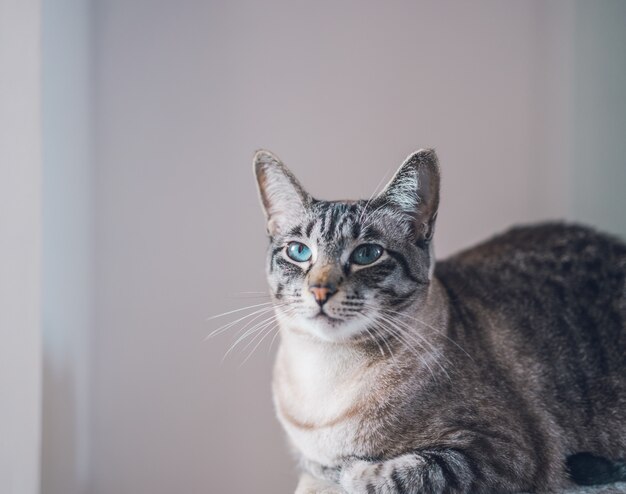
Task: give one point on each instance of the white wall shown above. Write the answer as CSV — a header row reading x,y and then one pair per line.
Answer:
x,y
68,260
20,246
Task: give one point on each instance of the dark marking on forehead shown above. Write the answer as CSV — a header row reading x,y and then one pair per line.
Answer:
x,y
330,229
371,233
356,229
348,215
309,228
339,213
323,212
296,231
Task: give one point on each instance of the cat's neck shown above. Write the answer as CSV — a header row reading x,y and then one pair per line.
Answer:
x,y
321,389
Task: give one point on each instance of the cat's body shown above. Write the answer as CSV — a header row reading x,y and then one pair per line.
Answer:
x,y
483,376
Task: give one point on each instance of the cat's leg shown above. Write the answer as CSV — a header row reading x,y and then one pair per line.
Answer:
x,y
311,485
318,479
424,472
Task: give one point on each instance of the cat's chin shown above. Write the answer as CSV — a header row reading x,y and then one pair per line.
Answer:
x,y
330,329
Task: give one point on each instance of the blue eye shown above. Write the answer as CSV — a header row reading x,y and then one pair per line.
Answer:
x,y
366,254
298,252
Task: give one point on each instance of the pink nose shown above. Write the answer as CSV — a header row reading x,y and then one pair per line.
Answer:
x,y
322,293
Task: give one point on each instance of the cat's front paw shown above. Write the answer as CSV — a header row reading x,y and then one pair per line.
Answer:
x,y
311,485
385,477
424,472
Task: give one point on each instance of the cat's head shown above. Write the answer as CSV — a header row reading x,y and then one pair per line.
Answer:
x,y
336,268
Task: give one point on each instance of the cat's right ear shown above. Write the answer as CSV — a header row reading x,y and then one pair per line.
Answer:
x,y
282,197
414,190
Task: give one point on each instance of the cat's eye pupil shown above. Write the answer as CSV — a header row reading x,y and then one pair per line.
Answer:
x,y
298,252
366,254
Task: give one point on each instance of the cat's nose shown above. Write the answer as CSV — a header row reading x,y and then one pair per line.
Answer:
x,y
322,293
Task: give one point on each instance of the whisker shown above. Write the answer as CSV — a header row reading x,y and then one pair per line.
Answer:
x,y
273,326
269,350
237,310
227,326
289,311
407,335
373,337
248,323
410,334
370,216
260,330
372,333
373,195
397,315
267,332
254,329
434,329
400,336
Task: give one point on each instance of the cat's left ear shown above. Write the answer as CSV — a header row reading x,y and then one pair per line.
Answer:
x,y
283,198
414,190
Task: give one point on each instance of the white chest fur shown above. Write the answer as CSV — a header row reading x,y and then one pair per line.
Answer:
x,y
321,392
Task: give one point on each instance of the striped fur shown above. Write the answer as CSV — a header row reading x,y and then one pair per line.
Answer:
x,y
481,374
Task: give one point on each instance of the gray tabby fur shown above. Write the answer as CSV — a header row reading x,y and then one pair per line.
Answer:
x,y
483,373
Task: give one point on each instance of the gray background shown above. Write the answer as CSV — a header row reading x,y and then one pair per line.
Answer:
x,y
20,247
152,110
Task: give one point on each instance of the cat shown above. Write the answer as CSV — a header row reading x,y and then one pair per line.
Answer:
x,y
487,372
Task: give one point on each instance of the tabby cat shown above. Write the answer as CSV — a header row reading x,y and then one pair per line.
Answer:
x,y
500,369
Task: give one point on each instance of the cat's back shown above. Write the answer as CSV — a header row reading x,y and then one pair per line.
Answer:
x,y
549,276
548,304
552,258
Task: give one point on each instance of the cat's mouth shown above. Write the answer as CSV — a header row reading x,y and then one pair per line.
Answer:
x,y
329,327
323,315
